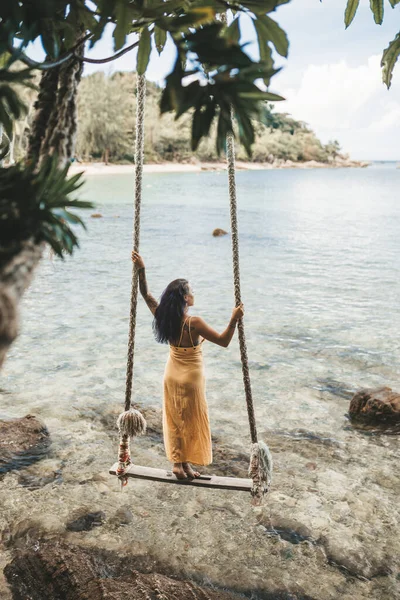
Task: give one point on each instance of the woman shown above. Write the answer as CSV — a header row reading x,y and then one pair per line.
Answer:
x,y
186,426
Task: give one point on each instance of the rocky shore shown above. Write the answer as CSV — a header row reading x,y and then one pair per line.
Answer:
x,y
328,528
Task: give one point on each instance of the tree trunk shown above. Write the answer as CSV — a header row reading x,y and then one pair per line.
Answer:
x,y
45,116
15,277
61,133
53,132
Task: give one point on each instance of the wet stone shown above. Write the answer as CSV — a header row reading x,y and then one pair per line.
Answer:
x,y
71,572
87,522
123,516
379,406
289,535
23,442
34,482
218,232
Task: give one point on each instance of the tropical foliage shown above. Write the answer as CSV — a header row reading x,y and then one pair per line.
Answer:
x,y
213,76
392,52
222,78
34,204
106,128
222,74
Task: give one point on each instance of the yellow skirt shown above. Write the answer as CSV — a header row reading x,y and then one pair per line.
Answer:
x,y
186,425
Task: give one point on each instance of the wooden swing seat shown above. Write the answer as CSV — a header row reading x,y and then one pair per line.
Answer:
x,y
208,481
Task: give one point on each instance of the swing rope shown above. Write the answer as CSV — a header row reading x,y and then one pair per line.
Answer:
x,y
260,469
230,154
139,153
131,422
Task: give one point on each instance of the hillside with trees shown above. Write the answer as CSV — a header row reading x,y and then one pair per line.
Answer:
x,y
106,128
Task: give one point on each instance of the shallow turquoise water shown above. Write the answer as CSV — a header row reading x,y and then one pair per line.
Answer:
x,y
320,262
320,281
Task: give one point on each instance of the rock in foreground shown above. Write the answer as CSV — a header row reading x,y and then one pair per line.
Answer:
x,y
22,442
67,572
380,406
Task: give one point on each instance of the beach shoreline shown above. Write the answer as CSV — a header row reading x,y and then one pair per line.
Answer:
x,y
198,167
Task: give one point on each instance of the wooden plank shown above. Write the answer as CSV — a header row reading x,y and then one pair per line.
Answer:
x,y
208,481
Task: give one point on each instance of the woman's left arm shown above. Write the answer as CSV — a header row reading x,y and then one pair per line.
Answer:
x,y
144,290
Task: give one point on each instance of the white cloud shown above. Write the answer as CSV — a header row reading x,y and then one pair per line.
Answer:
x,y
348,103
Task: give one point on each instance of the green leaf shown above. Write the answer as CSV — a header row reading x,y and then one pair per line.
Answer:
x,y
261,7
389,59
197,130
123,23
351,9
69,217
50,43
233,32
144,51
191,18
377,9
160,37
224,126
274,33
264,48
261,96
394,2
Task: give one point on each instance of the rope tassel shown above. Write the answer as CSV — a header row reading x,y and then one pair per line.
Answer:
x,y
260,470
131,423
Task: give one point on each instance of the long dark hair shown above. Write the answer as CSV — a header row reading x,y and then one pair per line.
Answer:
x,y
169,313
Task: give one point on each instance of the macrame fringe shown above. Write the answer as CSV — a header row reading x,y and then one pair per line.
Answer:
x,y
260,470
131,423
124,460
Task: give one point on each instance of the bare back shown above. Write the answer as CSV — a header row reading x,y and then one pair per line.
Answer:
x,y
189,335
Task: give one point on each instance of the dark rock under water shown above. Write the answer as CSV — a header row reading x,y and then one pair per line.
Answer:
x,y
61,571
22,442
375,406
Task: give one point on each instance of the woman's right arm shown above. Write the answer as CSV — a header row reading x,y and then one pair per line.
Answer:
x,y
221,339
144,290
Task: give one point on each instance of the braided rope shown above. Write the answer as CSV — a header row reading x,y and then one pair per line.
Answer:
x,y
261,464
131,422
139,152
230,155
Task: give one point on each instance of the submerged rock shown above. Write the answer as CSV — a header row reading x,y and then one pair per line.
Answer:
x,y
67,572
49,472
22,442
123,516
87,521
375,406
219,232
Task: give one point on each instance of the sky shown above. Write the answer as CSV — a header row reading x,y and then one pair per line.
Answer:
x,y
331,80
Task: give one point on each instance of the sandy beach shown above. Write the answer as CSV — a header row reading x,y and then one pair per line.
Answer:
x,y
167,167
197,167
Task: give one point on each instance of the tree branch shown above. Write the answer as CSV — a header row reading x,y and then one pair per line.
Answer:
x,y
43,66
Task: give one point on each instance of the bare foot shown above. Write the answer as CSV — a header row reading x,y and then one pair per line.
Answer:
x,y
189,471
178,471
